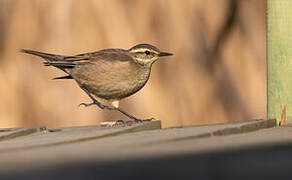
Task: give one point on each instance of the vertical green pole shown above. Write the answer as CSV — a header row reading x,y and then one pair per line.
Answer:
x,y
279,59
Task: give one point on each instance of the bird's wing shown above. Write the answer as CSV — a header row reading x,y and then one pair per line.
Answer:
x,y
107,55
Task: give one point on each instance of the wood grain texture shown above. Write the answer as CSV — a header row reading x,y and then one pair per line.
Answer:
x,y
279,58
67,152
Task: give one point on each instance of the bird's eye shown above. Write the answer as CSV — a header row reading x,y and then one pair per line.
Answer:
x,y
147,52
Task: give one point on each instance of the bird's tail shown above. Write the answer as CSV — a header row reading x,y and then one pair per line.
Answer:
x,y
46,56
57,61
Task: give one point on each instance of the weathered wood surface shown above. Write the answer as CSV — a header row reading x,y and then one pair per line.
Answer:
x,y
10,133
279,59
73,152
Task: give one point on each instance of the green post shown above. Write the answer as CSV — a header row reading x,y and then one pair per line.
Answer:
x,y
279,59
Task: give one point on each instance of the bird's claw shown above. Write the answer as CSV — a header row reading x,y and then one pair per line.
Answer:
x,y
101,106
86,104
143,120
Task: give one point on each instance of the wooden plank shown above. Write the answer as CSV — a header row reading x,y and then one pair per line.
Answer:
x,y
128,147
73,135
10,133
77,135
279,59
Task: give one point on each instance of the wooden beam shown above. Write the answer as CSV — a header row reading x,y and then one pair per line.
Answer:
x,y
279,59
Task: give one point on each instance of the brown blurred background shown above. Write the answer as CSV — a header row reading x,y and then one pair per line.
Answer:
x,y
216,75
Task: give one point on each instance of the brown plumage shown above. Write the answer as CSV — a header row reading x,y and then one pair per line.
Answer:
x,y
110,74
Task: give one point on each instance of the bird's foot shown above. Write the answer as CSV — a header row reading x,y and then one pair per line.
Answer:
x,y
123,123
143,120
110,124
86,104
101,106
119,123
136,120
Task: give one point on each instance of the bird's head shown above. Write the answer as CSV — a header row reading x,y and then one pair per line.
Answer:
x,y
146,54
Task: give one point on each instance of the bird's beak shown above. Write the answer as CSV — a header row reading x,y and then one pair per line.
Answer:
x,y
164,54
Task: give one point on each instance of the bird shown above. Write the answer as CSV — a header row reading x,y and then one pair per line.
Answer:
x,y
109,74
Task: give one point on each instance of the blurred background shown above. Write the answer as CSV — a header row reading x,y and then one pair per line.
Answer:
x,y
218,72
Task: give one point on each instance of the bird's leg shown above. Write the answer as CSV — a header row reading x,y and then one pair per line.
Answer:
x,y
95,102
131,116
115,104
116,108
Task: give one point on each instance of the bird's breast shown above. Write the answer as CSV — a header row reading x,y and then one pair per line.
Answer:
x,y
112,81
